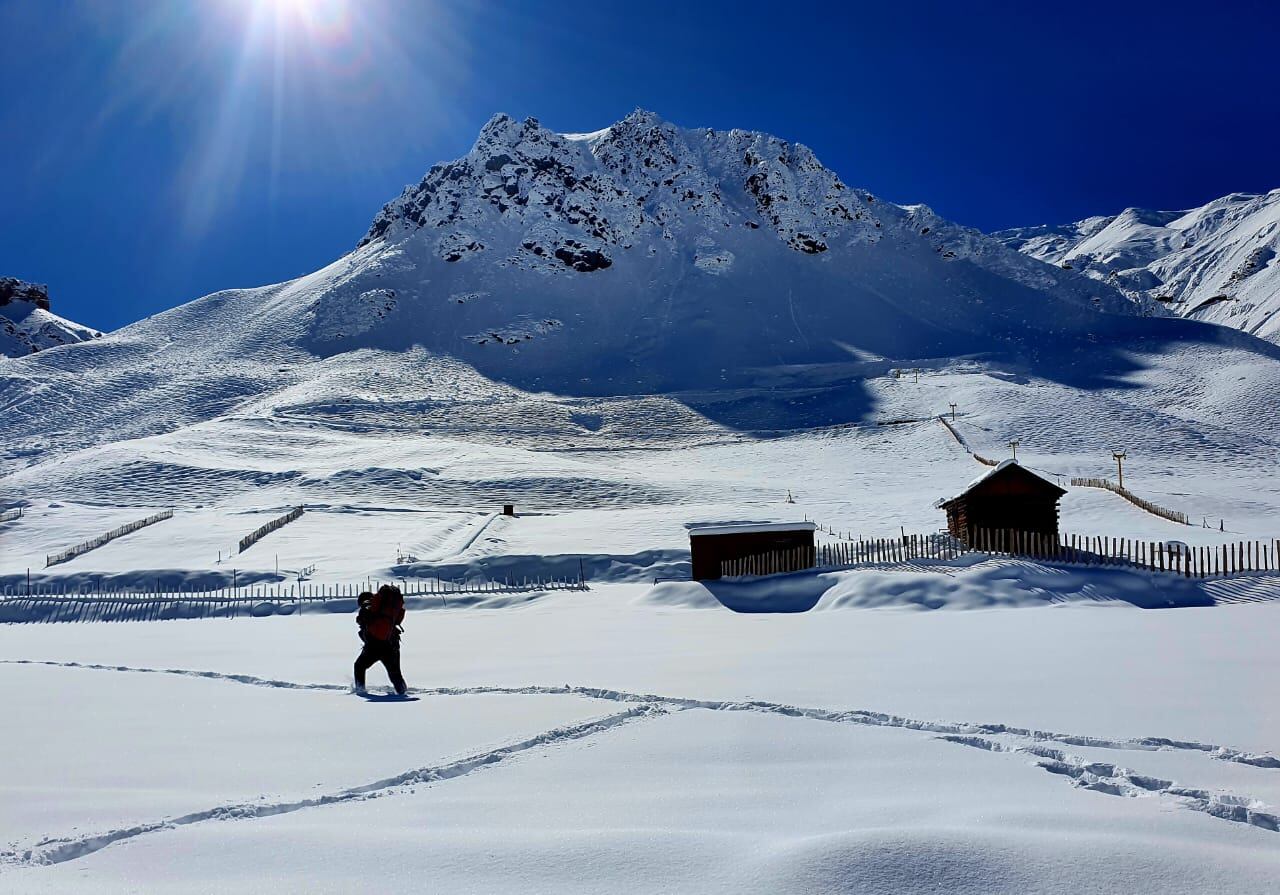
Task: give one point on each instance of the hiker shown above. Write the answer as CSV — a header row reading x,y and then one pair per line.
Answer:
x,y
379,619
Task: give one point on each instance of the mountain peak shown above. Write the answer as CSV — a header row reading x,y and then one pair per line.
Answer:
x,y
502,129
641,174
26,323
642,116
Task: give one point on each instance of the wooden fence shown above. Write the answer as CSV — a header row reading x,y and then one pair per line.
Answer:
x,y
250,539
774,562
43,602
72,552
1153,509
849,553
1157,556
891,550
985,461
1171,557
11,514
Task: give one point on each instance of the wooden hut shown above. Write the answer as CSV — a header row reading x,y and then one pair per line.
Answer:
x,y
1009,497
710,545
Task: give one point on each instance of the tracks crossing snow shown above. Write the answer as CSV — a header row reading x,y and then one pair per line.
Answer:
x,y
1095,776
1111,779
59,850
846,716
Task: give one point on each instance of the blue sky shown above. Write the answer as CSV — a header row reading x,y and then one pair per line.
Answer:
x,y
157,151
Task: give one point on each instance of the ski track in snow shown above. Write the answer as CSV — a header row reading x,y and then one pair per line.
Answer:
x,y
57,851
1100,777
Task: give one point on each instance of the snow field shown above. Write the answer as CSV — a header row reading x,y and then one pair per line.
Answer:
x,y
713,802
793,753
432,497
224,744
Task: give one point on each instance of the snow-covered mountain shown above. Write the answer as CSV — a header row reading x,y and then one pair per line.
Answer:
x,y
626,256
26,323
648,279
1216,263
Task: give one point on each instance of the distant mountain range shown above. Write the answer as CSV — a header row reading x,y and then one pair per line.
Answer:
x,y
26,323
1215,263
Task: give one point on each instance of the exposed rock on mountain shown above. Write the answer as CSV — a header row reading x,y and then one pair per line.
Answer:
x,y
26,323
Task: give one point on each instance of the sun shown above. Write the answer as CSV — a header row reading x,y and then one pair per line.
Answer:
x,y
297,18
311,13
265,87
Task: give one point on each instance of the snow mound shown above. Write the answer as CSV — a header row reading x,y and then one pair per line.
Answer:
x,y
966,584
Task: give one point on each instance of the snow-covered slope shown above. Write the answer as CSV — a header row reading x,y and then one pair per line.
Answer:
x,y
1216,263
643,258
26,323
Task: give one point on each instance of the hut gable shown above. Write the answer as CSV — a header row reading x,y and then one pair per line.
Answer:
x,y
1009,478
1007,497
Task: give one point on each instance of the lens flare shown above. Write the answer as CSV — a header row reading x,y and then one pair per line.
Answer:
x,y
259,87
316,20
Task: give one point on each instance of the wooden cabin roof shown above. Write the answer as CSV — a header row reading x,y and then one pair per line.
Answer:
x,y
1008,478
742,528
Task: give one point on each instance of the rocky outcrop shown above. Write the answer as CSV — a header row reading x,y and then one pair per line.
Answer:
x,y
26,323
581,198
13,289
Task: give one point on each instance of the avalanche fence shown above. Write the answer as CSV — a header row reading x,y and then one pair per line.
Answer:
x,y
72,552
250,539
985,461
1152,508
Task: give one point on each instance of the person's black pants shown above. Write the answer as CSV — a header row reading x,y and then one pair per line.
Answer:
x,y
388,653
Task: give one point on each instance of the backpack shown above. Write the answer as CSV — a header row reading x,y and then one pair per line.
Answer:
x,y
381,613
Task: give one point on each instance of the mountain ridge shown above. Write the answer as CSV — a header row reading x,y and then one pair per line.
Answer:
x,y
746,288
1216,262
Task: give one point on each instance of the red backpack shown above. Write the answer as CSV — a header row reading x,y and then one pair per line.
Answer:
x,y
381,613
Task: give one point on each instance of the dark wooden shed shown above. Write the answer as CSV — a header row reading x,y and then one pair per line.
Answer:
x,y
710,545
1009,497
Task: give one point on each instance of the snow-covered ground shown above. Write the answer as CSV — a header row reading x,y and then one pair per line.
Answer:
x,y
593,742
1039,732
373,497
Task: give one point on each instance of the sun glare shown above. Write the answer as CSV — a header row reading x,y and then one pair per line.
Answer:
x,y
296,20
265,85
